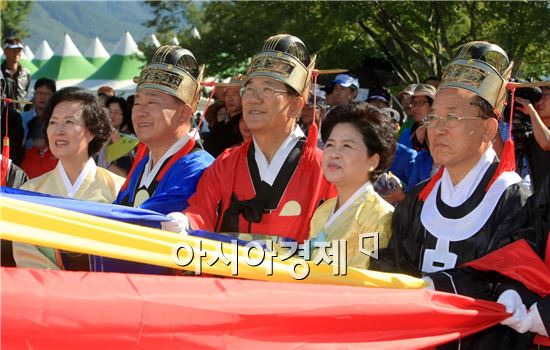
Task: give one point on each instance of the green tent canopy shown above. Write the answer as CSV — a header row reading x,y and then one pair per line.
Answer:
x,y
67,66
26,57
120,69
43,54
96,53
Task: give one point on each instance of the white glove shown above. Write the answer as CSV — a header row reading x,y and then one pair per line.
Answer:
x,y
519,321
537,326
179,223
430,282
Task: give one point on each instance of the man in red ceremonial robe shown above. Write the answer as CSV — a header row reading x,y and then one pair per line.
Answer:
x,y
272,184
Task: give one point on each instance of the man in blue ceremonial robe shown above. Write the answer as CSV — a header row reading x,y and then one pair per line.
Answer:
x,y
169,160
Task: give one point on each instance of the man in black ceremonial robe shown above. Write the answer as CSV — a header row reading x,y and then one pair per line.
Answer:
x,y
467,209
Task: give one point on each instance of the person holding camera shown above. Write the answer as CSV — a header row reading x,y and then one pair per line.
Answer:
x,y
538,146
536,143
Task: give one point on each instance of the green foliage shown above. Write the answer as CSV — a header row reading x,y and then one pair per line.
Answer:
x,y
13,14
522,30
417,38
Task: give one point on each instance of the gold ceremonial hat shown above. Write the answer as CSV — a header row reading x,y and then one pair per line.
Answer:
x,y
175,71
285,58
482,68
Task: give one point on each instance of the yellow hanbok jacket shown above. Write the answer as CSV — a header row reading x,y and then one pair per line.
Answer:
x,y
364,212
102,187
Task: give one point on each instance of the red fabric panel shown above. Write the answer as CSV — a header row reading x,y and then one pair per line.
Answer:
x,y
518,261
44,309
540,340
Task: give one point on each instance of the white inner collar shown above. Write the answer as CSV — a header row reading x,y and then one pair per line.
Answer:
x,y
466,226
89,169
367,187
150,172
269,171
454,196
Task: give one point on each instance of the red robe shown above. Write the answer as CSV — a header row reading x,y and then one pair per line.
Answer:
x,y
38,162
230,176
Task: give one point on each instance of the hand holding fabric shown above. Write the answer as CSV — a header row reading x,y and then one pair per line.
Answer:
x,y
178,224
519,321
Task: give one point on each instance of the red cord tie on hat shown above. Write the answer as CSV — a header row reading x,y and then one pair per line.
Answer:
x,y
5,150
508,157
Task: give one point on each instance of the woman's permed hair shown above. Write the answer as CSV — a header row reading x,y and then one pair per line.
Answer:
x,y
95,116
378,133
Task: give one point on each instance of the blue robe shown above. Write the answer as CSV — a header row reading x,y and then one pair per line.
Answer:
x,y
403,162
175,187
171,194
406,138
421,170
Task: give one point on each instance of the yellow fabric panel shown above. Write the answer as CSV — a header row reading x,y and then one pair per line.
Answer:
x,y
63,229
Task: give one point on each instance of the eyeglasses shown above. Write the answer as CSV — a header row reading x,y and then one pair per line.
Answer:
x,y
419,103
433,121
263,92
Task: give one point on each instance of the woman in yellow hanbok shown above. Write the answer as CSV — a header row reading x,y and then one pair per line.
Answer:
x,y
76,129
359,145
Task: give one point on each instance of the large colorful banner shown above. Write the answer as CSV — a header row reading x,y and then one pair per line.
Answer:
x,y
44,309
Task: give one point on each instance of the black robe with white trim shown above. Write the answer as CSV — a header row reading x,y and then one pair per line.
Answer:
x,y
413,249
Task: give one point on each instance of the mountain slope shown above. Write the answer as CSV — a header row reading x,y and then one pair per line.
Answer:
x,y
84,20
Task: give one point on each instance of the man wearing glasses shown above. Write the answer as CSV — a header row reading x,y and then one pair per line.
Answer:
x,y
421,102
467,209
272,184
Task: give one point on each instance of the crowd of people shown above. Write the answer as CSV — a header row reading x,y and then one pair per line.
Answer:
x,y
431,170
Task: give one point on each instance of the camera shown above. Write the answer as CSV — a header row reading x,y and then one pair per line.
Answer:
x,y
521,123
533,94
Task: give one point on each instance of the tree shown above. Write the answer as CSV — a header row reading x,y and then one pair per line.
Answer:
x,y
423,36
173,19
13,14
233,31
522,30
417,38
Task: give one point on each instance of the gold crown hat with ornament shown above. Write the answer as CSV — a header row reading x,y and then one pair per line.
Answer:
x,y
482,68
175,71
285,58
